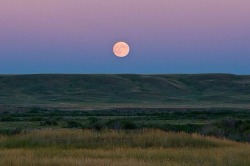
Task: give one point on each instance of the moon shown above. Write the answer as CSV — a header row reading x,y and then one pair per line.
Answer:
x,y
121,49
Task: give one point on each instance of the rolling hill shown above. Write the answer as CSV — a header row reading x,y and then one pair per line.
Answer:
x,y
126,90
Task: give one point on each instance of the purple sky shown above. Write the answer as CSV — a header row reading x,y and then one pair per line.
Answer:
x,y
165,36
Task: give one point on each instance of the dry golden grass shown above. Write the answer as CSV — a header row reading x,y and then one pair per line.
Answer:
x,y
148,147
74,138
126,156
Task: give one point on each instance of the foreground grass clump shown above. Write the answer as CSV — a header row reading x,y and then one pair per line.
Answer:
x,y
108,147
75,138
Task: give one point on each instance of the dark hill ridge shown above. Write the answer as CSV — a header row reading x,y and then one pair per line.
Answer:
x,y
124,89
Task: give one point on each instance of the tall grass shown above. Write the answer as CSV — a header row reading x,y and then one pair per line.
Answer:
x,y
123,148
65,138
126,157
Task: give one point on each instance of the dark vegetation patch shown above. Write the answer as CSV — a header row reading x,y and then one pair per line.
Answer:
x,y
221,123
231,128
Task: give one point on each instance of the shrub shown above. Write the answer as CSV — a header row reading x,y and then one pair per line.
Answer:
x,y
114,124
212,131
74,124
8,119
121,124
49,123
13,131
95,123
36,118
128,125
231,128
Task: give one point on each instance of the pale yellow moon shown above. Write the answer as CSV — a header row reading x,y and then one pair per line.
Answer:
x,y
121,49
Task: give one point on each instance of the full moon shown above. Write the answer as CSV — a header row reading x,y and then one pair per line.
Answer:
x,y
121,49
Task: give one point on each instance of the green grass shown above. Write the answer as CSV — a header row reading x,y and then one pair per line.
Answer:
x,y
88,91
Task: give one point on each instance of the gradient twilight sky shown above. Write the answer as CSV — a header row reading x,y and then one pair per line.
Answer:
x,y
165,36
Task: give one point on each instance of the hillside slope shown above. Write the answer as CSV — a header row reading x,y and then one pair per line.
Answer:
x,y
125,89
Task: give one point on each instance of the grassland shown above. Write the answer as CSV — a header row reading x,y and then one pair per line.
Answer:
x,y
42,136
109,147
201,119
109,91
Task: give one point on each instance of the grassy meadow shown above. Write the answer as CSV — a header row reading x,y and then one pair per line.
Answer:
x,y
109,147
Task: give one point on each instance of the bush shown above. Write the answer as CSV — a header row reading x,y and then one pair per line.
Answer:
x,y
13,131
231,128
128,125
8,119
95,123
114,124
246,136
49,123
121,124
36,118
212,131
74,124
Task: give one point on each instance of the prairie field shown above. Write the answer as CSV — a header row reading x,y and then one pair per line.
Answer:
x,y
97,120
109,147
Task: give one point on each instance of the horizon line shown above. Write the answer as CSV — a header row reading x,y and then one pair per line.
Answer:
x,y
205,73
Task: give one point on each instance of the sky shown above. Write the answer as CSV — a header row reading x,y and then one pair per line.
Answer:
x,y
165,36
